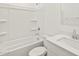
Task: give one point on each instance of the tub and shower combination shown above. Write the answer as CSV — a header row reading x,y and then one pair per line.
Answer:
x,y
19,47
57,45
11,14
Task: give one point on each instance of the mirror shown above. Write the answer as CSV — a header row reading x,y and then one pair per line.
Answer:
x,y
69,13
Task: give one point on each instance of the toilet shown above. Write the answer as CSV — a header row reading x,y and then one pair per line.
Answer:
x,y
38,51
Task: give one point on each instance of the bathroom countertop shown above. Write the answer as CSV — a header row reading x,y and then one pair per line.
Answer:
x,y
53,39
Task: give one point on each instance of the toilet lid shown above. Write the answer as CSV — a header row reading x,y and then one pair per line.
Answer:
x,y
38,51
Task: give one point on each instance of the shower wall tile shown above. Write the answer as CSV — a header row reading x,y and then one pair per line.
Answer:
x,y
4,25
18,24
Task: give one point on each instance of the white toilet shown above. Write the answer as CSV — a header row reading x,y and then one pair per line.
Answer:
x,y
38,51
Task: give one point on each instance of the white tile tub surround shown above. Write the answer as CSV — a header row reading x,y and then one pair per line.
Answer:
x,y
3,24
15,20
17,24
19,47
59,46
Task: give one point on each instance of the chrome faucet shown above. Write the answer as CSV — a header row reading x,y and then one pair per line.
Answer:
x,y
75,35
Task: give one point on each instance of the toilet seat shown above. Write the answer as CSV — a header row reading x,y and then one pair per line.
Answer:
x,y
38,51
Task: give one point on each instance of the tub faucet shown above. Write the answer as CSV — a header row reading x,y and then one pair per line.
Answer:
x,y
75,35
37,34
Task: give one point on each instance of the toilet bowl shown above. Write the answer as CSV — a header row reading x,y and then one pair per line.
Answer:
x,y
38,51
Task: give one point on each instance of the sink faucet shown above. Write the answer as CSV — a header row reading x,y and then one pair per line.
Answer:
x,y
75,35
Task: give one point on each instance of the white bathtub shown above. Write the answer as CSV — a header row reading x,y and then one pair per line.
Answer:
x,y
61,47
19,47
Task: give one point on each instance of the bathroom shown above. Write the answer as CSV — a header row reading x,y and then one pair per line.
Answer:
x,y
39,29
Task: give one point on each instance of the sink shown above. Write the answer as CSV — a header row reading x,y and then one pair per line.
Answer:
x,y
70,42
64,42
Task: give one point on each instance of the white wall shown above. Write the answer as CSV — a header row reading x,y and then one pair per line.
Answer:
x,y
24,5
52,20
19,25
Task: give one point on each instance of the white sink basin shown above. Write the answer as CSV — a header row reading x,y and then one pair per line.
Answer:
x,y
65,42
70,42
